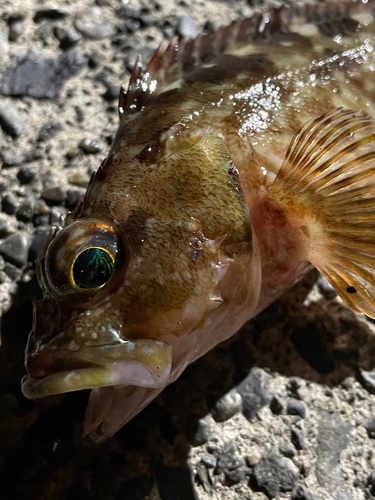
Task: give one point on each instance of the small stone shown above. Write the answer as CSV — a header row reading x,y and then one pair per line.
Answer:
x,y
41,207
80,114
300,493
297,438
94,61
227,406
25,211
91,146
91,24
370,428
14,249
276,405
53,195
237,475
41,78
202,477
367,379
296,407
209,461
69,38
202,433
16,30
187,27
112,93
11,159
228,460
38,242
79,179
9,204
10,120
26,175
12,271
253,457
48,131
72,153
50,14
73,197
254,392
287,450
55,215
275,474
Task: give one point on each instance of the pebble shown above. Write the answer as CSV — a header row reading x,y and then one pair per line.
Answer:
x,y
91,24
79,179
276,405
48,131
275,474
73,197
53,195
16,30
25,211
9,204
370,428
55,215
67,38
10,120
254,392
26,175
50,14
202,477
228,460
332,438
287,450
296,407
202,432
91,146
40,78
112,92
10,159
297,438
187,27
14,249
12,271
209,461
227,406
253,457
366,379
38,242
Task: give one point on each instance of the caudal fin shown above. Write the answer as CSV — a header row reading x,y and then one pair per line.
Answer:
x,y
329,169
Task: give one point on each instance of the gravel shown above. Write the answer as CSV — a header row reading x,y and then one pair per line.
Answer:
x,y
283,410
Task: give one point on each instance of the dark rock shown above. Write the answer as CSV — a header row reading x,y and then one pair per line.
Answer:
x,y
187,27
6,228
275,474
367,379
112,93
227,406
371,483
25,211
73,197
14,249
370,428
16,29
175,482
55,215
91,146
10,120
276,405
9,204
50,14
54,195
255,395
72,153
228,461
94,61
333,438
287,450
48,131
68,38
12,271
26,175
202,477
10,159
209,461
296,407
38,242
92,25
202,432
136,488
297,438
80,114
40,220
300,493
237,475
41,78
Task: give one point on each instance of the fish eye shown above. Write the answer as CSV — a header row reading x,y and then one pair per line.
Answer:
x,y
92,268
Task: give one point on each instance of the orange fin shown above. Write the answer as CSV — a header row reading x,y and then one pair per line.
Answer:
x,y
328,177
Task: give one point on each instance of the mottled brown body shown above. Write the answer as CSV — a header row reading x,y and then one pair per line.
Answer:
x,y
210,237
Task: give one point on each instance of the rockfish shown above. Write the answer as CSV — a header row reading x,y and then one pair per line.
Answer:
x,y
242,158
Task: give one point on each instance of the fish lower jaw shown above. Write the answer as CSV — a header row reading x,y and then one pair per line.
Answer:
x,y
116,374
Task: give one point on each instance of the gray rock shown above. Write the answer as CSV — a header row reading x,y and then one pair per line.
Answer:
x,y
91,146
10,159
276,405
287,450
370,428
254,392
209,461
41,78
38,242
228,462
227,406
26,175
296,407
12,271
112,93
48,131
275,474
25,211
367,379
187,27
202,433
16,30
10,120
53,195
297,438
91,24
9,204
333,438
14,249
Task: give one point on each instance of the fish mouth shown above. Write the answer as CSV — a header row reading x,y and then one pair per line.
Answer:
x,y
141,363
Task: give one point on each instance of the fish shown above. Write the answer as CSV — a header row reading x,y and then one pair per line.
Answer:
x,y
242,159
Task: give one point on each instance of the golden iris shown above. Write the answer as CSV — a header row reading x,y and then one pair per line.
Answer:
x,y
92,268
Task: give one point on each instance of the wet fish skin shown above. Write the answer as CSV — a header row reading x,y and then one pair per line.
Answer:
x,y
240,159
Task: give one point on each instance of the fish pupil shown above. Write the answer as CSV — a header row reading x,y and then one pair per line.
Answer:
x,y
92,268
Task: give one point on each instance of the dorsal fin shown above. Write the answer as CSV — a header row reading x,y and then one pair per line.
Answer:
x,y
176,63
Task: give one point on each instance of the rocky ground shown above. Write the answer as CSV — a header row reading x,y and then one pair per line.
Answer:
x,y
284,410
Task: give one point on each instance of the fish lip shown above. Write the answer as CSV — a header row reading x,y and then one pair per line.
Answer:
x,y
144,363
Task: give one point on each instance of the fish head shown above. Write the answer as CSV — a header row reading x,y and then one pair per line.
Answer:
x,y
135,286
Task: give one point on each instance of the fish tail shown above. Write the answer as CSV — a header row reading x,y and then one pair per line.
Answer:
x,y
327,185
